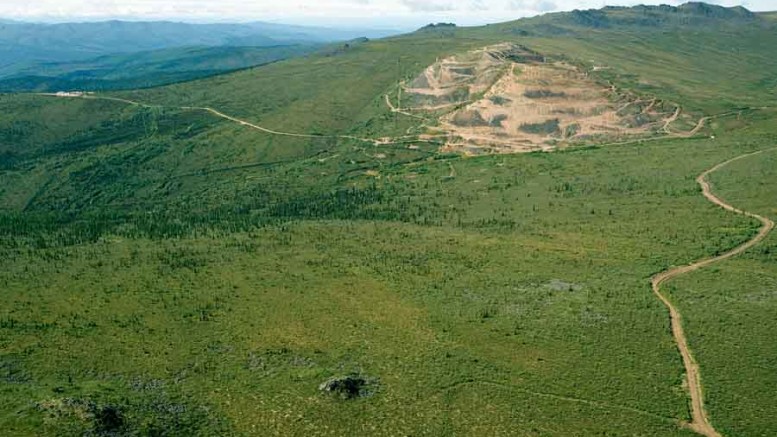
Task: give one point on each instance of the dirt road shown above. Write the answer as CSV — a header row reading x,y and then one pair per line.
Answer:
x,y
375,142
700,418
702,121
399,111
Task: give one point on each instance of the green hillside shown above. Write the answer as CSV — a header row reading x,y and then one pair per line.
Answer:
x,y
769,15
168,270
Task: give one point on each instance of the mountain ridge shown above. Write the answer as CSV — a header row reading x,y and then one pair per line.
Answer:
x,y
60,42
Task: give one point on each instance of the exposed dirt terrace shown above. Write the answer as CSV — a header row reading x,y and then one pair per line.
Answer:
x,y
508,99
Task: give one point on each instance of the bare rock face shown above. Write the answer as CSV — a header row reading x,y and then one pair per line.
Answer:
x,y
348,387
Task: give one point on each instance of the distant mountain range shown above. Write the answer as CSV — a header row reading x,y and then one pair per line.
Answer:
x,y
33,42
142,69
121,54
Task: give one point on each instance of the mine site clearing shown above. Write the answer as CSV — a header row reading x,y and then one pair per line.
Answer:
x,y
508,99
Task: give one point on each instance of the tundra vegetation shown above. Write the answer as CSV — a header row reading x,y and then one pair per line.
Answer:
x,y
165,271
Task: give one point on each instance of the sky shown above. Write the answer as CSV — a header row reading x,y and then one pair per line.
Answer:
x,y
337,13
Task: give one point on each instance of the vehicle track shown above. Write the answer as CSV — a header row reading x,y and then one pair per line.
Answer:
x,y
702,121
375,142
700,418
400,111
671,120
589,402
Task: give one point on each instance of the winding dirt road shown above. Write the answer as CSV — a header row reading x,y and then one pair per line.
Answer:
x,y
702,121
700,419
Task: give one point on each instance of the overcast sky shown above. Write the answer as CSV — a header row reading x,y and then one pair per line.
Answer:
x,y
361,13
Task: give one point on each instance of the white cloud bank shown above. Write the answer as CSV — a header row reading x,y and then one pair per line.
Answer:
x,y
385,13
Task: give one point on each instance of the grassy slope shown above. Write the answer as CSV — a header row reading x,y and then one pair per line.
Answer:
x,y
769,15
464,291
702,69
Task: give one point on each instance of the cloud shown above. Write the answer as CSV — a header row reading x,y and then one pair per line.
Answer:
x,y
429,5
479,5
331,12
534,5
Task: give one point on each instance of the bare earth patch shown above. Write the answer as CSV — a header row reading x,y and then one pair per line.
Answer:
x,y
508,99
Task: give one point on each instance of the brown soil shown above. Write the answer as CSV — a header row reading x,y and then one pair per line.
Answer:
x,y
506,99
